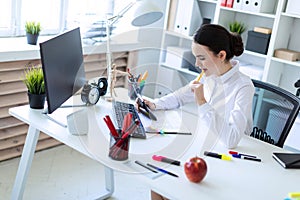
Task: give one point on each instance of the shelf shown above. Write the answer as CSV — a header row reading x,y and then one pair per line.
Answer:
x,y
293,63
173,33
209,1
184,70
290,15
254,54
266,15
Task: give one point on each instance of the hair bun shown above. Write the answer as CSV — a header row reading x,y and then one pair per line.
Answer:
x,y
237,44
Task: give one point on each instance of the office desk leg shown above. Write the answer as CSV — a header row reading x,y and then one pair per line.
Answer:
x,y
109,185
25,163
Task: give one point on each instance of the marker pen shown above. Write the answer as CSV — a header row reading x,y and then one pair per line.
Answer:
x,y
242,154
216,155
294,194
246,157
166,160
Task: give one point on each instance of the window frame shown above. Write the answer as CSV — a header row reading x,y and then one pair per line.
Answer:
x,y
16,28
11,29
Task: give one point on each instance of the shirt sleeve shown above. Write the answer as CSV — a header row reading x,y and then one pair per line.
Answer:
x,y
231,130
175,99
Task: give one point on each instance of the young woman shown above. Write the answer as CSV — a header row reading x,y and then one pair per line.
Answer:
x,y
224,95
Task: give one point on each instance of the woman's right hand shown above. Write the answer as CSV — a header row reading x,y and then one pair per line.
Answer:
x,y
150,104
197,88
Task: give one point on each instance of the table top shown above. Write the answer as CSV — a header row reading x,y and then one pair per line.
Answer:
x,y
235,179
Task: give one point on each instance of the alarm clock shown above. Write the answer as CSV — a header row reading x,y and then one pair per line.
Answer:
x,y
91,92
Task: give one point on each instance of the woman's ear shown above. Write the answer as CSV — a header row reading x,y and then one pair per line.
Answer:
x,y
222,55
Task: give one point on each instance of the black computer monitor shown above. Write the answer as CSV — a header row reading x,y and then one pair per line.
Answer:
x,y
63,68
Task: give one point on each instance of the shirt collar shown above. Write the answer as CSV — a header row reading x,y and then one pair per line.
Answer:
x,y
233,70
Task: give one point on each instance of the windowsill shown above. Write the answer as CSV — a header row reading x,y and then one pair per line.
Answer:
x,y
16,48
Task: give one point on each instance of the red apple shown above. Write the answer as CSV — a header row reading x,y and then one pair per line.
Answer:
x,y
195,169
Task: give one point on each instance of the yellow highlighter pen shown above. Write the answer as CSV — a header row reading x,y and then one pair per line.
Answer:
x,y
216,155
294,194
225,157
200,76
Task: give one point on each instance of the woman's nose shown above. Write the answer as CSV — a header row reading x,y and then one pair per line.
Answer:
x,y
198,64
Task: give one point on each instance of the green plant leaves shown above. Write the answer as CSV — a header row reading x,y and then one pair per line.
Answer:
x,y
237,27
34,80
32,27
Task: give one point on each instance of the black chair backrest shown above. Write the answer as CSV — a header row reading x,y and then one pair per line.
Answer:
x,y
274,112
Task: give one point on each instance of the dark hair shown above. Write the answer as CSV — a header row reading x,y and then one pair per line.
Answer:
x,y
217,38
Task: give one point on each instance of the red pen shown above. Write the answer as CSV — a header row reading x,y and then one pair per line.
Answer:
x,y
117,147
129,131
166,160
111,126
126,122
130,74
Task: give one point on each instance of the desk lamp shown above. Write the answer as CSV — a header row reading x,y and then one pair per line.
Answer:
x,y
145,13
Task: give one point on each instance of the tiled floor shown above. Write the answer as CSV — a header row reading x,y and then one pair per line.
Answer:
x,y
64,174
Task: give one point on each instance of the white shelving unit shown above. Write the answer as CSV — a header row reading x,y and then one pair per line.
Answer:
x,y
285,30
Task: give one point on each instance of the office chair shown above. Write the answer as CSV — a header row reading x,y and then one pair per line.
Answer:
x,y
274,112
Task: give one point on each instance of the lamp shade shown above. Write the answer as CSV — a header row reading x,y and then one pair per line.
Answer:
x,y
145,13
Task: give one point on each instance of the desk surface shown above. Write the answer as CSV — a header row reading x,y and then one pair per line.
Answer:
x,y
236,179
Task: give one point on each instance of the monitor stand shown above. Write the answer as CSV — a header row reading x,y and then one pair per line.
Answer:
x,y
76,121
46,113
64,114
73,106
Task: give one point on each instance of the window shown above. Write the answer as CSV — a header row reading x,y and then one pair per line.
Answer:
x,y
48,13
91,16
6,21
54,15
88,15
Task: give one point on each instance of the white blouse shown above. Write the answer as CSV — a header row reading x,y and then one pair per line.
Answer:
x,y
228,111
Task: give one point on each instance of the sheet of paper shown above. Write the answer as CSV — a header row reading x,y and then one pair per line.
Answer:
x,y
139,169
171,123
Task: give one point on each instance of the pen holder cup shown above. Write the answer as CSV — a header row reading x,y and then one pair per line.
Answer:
x,y
134,87
119,148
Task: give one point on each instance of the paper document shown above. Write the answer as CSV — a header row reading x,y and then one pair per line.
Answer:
x,y
167,120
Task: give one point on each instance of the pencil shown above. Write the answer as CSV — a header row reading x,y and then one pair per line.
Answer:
x,y
143,165
145,75
200,76
162,170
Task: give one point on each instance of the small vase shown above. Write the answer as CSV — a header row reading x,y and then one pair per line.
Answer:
x,y
32,38
36,101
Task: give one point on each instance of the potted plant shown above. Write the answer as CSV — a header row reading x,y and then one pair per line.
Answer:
x,y
33,30
237,27
34,81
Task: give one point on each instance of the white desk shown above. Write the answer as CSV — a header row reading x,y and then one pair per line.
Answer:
x,y
236,179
